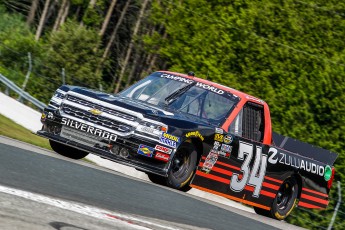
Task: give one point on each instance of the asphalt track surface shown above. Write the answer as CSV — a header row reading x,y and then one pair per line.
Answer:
x,y
84,183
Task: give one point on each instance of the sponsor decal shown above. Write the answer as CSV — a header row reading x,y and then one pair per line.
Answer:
x,y
219,130
145,129
170,137
95,111
328,173
218,137
228,139
162,156
163,149
145,150
50,116
210,88
210,161
216,145
88,129
224,154
168,142
294,161
189,81
176,78
43,116
226,148
195,134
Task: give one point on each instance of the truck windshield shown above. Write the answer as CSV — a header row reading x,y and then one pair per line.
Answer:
x,y
199,100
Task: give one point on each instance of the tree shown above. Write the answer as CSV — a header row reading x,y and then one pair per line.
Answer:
x,y
288,53
107,17
131,44
32,12
42,20
71,48
59,16
112,37
65,13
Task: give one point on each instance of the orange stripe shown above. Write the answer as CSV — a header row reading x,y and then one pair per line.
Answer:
x,y
231,197
317,193
224,164
306,205
229,166
262,192
226,181
269,194
318,200
229,173
222,171
213,177
239,169
267,185
274,180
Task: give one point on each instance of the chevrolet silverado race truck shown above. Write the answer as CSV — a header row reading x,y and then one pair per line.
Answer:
x,y
185,132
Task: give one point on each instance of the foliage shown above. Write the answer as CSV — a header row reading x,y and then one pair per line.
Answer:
x,y
70,50
287,53
93,15
16,40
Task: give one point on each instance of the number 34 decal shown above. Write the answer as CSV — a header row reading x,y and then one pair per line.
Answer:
x,y
252,177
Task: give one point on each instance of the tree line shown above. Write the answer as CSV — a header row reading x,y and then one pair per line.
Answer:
x,y
289,53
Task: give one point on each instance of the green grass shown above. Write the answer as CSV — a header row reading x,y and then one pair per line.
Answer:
x,y
11,129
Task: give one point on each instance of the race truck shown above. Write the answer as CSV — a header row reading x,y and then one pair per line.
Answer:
x,y
185,132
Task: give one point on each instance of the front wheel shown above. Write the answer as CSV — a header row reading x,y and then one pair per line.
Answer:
x,y
67,151
284,202
156,179
182,167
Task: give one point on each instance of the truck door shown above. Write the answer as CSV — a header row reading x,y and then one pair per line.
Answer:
x,y
249,154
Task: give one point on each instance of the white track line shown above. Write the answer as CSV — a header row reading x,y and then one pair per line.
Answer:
x,y
117,218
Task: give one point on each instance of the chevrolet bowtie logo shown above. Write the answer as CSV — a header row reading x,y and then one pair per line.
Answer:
x,y
95,111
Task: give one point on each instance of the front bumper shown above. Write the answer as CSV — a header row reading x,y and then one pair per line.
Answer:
x,y
52,130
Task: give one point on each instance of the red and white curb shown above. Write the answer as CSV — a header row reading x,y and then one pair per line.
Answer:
x,y
118,219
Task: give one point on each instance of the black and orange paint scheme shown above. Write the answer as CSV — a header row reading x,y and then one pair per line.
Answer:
x,y
263,169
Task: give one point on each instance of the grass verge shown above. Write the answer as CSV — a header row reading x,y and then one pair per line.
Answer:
x,y
11,129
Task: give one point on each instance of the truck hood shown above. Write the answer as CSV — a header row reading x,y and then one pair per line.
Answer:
x,y
169,117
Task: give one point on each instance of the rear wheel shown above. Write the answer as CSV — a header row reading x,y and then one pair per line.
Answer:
x,y
67,151
285,199
284,202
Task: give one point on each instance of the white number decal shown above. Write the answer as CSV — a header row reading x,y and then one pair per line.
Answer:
x,y
257,177
243,149
254,177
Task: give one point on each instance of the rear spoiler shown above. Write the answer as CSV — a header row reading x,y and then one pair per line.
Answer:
x,y
304,149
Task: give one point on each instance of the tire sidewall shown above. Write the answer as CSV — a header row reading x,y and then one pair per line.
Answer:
x,y
179,183
281,214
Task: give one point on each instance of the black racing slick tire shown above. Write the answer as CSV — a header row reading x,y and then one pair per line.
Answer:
x,y
284,202
156,179
285,199
67,151
182,167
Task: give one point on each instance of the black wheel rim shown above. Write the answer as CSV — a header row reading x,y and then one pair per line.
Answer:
x,y
180,164
284,195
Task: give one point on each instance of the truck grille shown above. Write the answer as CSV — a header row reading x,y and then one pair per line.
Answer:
x,y
99,120
101,108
